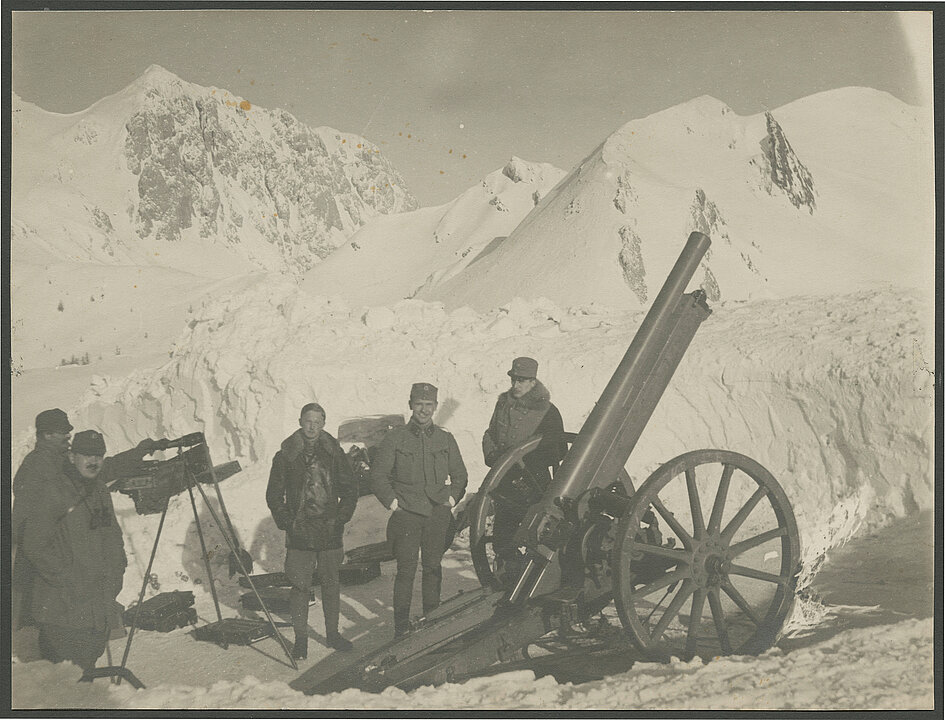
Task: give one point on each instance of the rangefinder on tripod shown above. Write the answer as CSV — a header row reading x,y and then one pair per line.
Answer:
x,y
150,483
189,440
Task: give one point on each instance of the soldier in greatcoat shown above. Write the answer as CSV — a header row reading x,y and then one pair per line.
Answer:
x,y
72,540
41,466
521,412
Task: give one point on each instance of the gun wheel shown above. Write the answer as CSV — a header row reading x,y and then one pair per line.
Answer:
x,y
482,512
720,579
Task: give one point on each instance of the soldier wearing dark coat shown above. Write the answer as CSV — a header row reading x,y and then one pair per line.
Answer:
x,y
312,494
521,412
41,466
418,473
72,540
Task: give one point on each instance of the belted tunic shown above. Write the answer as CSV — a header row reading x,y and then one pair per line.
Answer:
x,y
420,467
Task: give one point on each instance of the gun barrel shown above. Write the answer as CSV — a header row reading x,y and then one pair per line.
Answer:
x,y
599,437
620,415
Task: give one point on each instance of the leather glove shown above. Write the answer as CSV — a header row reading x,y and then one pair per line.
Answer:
x,y
147,446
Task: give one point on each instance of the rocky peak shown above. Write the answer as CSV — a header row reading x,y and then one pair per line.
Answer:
x,y
518,170
156,75
208,160
781,168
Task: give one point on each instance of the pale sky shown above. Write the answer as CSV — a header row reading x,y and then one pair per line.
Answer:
x,y
450,96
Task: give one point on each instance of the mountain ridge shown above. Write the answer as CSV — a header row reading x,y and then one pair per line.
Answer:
x,y
609,232
253,188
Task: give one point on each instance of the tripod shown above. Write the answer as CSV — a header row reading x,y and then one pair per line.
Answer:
x,y
189,479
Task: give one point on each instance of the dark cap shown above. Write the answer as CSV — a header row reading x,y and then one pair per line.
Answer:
x,y
89,442
54,420
422,391
524,367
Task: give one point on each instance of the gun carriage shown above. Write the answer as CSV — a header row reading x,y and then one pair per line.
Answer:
x,y
700,560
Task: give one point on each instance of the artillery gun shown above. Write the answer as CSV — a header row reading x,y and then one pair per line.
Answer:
x,y
700,560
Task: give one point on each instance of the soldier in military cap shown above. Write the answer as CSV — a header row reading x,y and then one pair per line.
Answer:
x,y
43,463
73,543
418,473
521,412
53,431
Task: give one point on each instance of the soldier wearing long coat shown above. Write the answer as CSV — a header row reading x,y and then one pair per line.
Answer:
x,y
74,545
521,412
42,465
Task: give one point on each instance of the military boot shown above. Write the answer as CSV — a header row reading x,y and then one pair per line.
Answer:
x,y
300,646
401,623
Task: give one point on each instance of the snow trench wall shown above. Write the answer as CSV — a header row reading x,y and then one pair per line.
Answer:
x,y
834,395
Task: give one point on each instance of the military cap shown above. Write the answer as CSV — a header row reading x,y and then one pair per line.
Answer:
x,y
524,367
88,442
423,391
54,420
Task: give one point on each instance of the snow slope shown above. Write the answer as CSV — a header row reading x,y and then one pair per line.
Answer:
x,y
64,313
403,255
699,166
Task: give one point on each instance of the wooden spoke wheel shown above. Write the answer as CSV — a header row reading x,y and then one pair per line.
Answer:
x,y
721,578
493,490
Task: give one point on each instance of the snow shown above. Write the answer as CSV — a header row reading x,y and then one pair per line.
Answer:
x,y
893,669
816,361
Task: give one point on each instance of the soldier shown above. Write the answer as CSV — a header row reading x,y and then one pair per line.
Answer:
x,y
312,493
72,540
521,412
40,466
418,473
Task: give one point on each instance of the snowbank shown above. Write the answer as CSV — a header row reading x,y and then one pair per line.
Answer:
x,y
833,395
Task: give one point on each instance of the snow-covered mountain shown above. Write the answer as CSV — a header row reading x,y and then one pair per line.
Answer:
x,y
793,198
170,173
404,255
